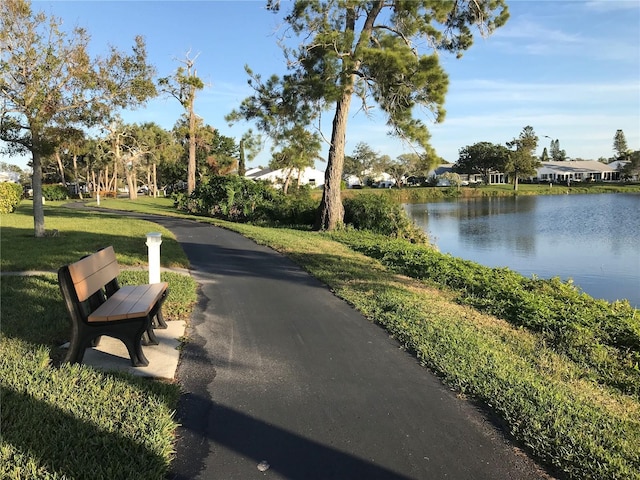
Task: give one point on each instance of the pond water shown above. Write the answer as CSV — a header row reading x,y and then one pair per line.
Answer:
x,y
592,239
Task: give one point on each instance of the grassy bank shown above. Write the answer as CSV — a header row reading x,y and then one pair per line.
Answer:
x,y
430,194
70,421
549,400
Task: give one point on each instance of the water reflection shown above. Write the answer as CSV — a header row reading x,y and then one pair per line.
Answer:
x,y
592,239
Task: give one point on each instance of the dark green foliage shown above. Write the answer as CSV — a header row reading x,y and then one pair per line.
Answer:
x,y
238,199
602,337
230,198
55,192
297,208
380,214
10,196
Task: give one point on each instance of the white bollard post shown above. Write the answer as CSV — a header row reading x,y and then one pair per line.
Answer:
x,y
154,239
98,199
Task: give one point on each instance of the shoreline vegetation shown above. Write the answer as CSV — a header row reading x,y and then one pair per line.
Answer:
x,y
430,194
559,368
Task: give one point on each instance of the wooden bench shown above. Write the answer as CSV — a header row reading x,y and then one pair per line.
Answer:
x,y
98,306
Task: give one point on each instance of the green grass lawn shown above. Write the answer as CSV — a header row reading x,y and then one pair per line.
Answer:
x,y
554,410
79,232
72,421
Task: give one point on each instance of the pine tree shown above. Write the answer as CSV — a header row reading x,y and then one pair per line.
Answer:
x,y
620,145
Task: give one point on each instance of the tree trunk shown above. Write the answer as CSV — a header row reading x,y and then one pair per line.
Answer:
x,y
191,169
241,161
331,211
131,184
61,168
36,185
75,174
287,180
155,181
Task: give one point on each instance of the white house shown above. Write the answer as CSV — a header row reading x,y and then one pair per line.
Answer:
x,y
11,177
494,177
308,176
578,171
378,179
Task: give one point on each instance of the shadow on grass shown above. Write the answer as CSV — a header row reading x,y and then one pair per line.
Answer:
x,y
22,251
68,446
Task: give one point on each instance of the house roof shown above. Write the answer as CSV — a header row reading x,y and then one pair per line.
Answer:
x,y
258,172
578,166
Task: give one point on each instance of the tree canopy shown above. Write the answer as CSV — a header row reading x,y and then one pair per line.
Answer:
x,y
370,50
48,79
620,145
521,162
183,86
482,158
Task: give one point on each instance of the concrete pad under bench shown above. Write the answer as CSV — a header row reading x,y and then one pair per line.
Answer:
x,y
111,354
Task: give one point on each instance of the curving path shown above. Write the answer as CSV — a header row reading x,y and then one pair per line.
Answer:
x,y
283,380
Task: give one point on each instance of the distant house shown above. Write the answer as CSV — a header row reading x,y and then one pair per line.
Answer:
x,y
375,179
11,177
578,171
308,176
494,177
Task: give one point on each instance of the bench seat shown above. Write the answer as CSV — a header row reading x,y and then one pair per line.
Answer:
x,y
130,301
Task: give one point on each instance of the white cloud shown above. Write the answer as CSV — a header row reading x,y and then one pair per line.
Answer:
x,y
609,5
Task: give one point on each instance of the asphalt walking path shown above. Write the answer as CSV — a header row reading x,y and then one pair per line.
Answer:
x,y
283,380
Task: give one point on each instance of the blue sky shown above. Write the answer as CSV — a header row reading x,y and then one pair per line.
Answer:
x,y
570,69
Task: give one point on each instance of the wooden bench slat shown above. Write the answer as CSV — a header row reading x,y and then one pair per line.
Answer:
x,y
147,295
90,274
131,301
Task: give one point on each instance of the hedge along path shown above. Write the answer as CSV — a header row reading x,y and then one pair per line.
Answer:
x,y
563,418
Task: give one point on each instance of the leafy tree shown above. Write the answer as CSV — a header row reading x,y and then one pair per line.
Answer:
x,y
280,115
249,146
47,79
632,169
557,155
545,155
521,162
147,145
482,158
620,145
363,162
215,154
10,168
370,49
183,85
223,154
298,151
404,165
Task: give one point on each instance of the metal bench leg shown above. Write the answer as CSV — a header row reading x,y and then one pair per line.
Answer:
x,y
149,337
134,347
158,321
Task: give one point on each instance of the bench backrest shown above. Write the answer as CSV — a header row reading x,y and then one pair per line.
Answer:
x,y
92,273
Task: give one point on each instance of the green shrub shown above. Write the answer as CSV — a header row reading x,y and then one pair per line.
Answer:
x,y
298,207
55,192
381,214
229,197
10,196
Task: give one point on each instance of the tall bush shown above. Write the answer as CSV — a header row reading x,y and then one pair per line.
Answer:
x,y
10,196
380,214
297,208
231,197
55,192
